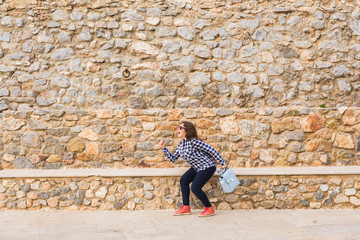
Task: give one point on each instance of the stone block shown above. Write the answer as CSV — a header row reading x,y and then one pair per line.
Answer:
x,y
312,123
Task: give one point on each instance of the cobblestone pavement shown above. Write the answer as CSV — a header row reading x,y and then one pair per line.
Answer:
x,y
148,225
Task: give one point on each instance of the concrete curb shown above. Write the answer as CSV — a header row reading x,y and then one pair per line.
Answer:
x,y
174,172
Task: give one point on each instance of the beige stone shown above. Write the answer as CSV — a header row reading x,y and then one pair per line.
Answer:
x,y
32,195
324,146
54,158
307,55
224,206
167,126
83,156
19,194
21,204
229,126
205,123
350,191
254,154
153,20
154,159
128,144
344,140
312,146
83,185
293,194
8,137
148,126
88,134
8,157
242,205
13,124
45,186
69,123
268,204
53,202
71,118
257,198
315,205
268,156
22,3
341,198
267,57
175,114
336,180
131,205
142,47
95,202
89,194
278,141
92,148
75,145
107,206
104,114
351,117
260,144
355,201
285,124
153,204
113,129
92,67
323,133
35,158
231,198
95,184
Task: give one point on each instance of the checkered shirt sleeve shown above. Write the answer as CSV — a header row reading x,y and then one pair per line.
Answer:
x,y
172,157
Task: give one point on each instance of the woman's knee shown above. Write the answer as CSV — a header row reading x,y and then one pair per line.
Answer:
x,y
195,189
184,181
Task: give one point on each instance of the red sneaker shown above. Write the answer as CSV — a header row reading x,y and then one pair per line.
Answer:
x,y
209,211
184,210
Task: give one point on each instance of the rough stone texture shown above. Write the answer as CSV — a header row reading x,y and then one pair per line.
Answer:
x,y
22,162
75,145
344,140
293,136
312,123
217,42
152,193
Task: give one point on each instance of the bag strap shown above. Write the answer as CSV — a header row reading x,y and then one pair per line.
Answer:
x,y
221,172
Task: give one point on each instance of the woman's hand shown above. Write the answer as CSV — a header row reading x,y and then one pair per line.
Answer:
x,y
162,143
223,166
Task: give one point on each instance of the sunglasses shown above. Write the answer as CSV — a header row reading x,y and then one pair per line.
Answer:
x,y
181,127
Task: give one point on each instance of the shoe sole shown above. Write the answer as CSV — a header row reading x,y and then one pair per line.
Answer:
x,y
207,215
181,214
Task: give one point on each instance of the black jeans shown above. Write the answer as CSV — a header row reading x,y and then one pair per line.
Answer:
x,y
198,179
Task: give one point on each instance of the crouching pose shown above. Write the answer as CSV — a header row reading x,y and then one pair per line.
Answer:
x,y
200,156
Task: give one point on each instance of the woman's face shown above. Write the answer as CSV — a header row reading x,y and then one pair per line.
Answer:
x,y
181,131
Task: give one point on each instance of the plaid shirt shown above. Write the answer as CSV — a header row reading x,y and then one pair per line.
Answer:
x,y
197,153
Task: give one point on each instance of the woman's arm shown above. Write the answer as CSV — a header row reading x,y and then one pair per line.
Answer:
x,y
202,146
171,157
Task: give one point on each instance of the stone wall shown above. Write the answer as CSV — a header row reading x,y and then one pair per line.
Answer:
x,y
180,54
130,138
150,193
97,84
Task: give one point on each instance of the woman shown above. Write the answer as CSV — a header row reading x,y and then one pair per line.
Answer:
x,y
200,156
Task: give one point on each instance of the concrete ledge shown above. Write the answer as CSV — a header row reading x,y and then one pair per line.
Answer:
x,y
173,172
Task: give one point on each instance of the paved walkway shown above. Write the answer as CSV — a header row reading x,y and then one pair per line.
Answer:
x,y
149,225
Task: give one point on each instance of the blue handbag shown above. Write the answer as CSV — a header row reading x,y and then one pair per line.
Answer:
x,y
228,180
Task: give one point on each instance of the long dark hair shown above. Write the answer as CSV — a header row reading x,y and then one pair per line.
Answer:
x,y
190,130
